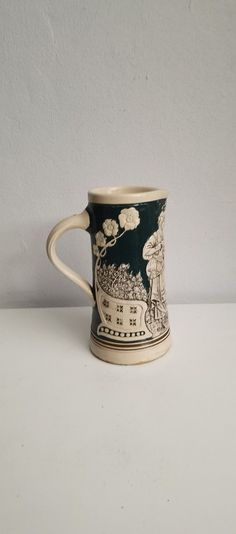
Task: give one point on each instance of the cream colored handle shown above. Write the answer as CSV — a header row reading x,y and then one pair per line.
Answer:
x,y
80,220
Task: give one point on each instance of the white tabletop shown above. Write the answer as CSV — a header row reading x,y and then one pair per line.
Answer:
x,y
92,448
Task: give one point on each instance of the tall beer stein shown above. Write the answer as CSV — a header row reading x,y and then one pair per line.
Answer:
x,y
129,316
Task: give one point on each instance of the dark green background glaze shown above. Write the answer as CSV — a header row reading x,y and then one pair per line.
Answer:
x,y
129,247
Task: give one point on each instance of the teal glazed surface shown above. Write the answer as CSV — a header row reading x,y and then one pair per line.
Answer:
x,y
127,252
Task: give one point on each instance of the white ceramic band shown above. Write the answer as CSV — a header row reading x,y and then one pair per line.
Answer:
x,y
125,195
122,357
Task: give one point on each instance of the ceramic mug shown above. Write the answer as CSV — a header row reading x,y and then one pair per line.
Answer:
x,y
129,319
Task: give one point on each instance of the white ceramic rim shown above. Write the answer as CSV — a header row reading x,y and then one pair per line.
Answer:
x,y
125,195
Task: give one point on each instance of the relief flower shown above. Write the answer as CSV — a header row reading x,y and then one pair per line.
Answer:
x,y
110,227
95,250
129,218
100,239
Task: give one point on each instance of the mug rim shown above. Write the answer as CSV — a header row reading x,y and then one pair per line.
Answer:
x,y
125,194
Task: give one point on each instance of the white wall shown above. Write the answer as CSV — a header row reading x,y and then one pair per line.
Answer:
x,y
112,92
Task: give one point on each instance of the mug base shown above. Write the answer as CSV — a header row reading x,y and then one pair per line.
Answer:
x,y
134,357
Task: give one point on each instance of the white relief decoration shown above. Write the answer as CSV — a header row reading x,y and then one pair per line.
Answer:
x,y
129,312
153,252
129,218
100,239
110,227
95,250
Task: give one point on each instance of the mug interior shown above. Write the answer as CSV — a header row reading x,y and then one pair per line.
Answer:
x,y
125,195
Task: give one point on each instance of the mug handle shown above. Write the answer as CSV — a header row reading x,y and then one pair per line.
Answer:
x,y
80,220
